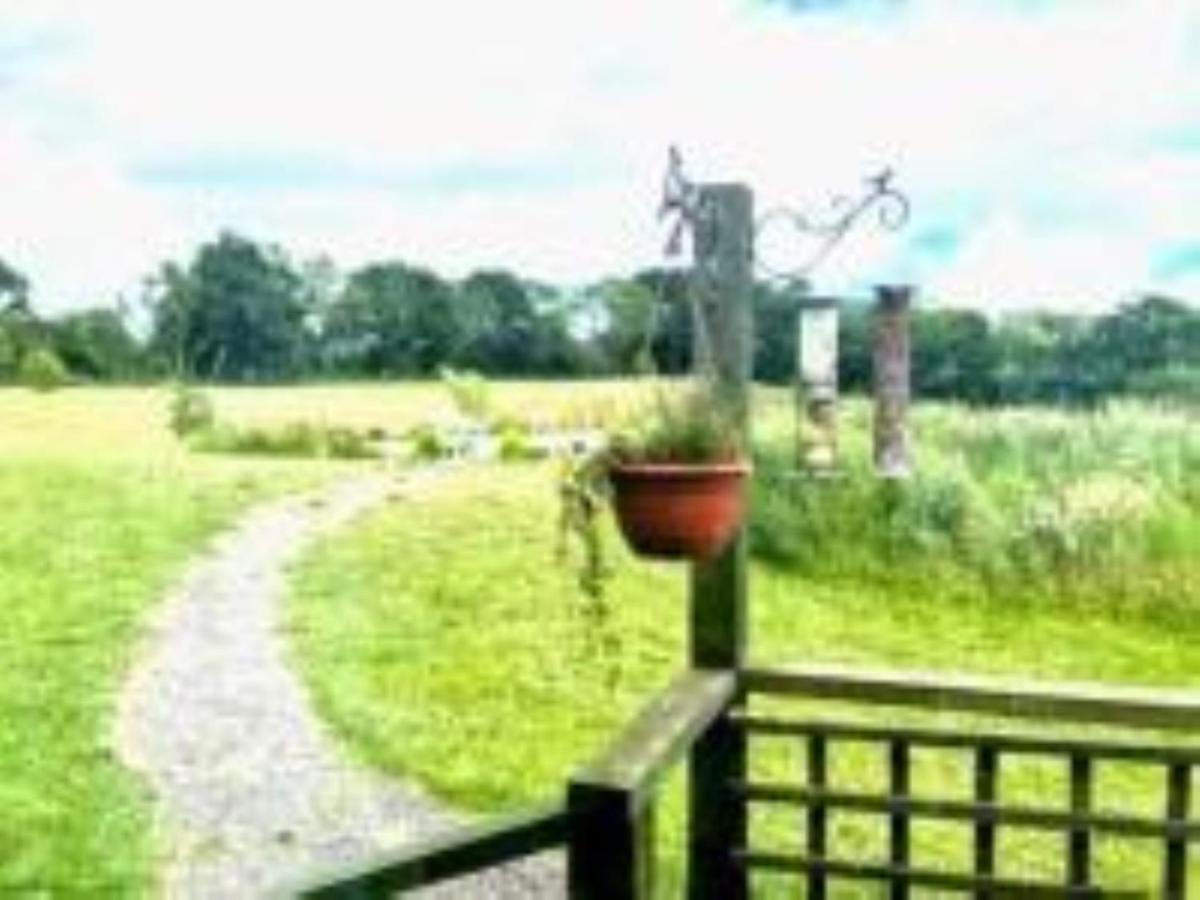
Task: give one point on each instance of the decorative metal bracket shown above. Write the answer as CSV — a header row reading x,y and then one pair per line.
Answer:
x,y
682,202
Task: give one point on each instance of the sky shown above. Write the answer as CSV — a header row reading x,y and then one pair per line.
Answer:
x,y
1050,150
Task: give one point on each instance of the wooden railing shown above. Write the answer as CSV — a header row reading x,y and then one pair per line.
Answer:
x,y
607,819
612,801
986,814
466,850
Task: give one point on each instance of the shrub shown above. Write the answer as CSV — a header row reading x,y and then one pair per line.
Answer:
x,y
514,443
42,370
295,439
427,443
191,411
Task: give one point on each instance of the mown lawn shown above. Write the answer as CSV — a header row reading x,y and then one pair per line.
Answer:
x,y
99,510
443,641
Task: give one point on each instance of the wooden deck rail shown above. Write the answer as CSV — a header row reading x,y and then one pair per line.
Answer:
x,y
459,851
612,801
606,821
1059,701
1076,820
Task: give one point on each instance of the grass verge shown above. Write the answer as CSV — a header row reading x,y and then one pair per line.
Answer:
x,y
99,509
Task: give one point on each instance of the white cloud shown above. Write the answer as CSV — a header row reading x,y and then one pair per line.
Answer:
x,y
1031,135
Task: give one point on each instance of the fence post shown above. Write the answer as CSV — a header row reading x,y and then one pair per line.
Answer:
x,y
611,855
723,280
892,382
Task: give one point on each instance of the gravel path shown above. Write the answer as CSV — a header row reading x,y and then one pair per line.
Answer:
x,y
251,791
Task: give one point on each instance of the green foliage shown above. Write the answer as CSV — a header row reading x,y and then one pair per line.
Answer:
x,y
686,426
391,319
97,344
1175,384
14,287
427,443
191,411
1000,504
42,370
514,443
236,313
10,354
294,439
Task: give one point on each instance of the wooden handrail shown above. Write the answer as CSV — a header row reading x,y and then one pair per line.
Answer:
x,y
611,854
661,734
458,851
1059,701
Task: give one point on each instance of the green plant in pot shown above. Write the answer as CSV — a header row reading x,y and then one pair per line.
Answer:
x,y
675,478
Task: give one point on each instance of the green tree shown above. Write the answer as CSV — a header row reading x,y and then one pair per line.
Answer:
x,y
392,319
20,327
14,287
97,344
42,370
499,323
630,313
954,356
237,313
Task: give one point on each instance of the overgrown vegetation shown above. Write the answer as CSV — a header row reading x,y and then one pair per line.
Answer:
x,y
1097,511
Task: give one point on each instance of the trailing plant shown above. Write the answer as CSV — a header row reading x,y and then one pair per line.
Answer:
x,y
681,427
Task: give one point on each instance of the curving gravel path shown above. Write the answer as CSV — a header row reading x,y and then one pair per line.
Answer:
x,y
251,790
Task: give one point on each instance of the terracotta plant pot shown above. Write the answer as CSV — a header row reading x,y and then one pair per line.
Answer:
x,y
679,511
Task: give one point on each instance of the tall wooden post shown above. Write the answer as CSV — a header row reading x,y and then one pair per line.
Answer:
x,y
724,283
892,382
816,384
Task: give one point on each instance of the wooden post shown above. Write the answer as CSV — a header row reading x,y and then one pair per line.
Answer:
x,y
816,384
892,382
611,853
724,283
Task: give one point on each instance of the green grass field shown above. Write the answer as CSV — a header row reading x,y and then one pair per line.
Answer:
x,y
100,509
443,641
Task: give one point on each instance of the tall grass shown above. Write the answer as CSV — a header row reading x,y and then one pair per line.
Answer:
x,y
1023,505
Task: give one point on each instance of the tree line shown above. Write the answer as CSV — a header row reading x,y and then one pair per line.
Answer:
x,y
244,312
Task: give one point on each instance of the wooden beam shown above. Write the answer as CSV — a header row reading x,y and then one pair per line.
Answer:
x,y
661,734
456,852
997,886
1062,702
969,811
723,282
972,738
